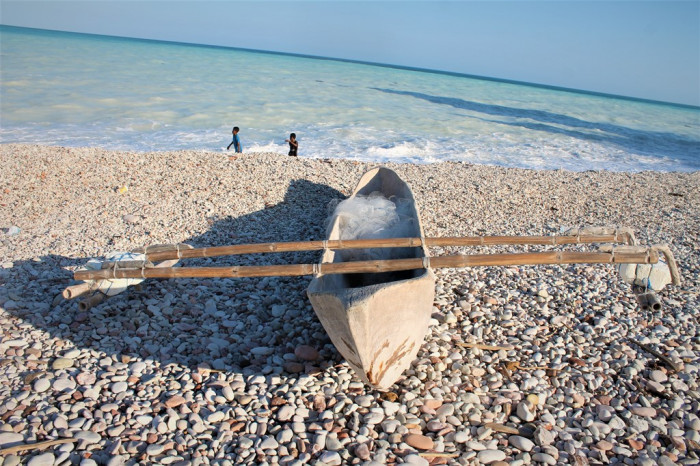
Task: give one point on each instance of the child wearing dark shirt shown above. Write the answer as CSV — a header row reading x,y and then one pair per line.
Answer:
x,y
293,144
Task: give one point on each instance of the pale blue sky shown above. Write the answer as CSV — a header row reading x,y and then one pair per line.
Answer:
x,y
645,49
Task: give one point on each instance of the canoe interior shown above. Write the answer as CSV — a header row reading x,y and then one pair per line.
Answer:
x,y
387,183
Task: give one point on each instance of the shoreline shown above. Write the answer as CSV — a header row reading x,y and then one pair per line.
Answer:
x,y
193,371
399,161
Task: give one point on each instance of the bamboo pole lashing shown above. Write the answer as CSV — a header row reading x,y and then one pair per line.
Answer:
x,y
163,253
377,266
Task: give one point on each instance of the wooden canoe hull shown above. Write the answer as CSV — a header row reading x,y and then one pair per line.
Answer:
x,y
378,327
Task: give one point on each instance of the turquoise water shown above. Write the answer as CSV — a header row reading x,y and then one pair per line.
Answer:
x,y
85,90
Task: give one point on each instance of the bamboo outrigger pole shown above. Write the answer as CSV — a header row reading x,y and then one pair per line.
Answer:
x,y
637,256
618,236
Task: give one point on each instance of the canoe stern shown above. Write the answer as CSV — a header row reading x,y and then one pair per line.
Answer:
x,y
377,329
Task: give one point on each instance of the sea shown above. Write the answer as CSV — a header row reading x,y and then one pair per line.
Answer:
x,y
80,90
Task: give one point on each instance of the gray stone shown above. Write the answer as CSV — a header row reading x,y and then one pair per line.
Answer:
x,y
285,413
63,384
330,458
138,367
543,437
44,459
644,460
216,416
390,425
416,459
60,422
72,353
655,387
390,408
210,307
643,411
476,446
333,444
245,443
88,436
269,443
116,460
14,343
544,458
11,460
373,417
41,385
262,351
62,363
521,443
526,411
278,310
694,424
10,439
605,413
664,460
285,436
616,423
154,449
490,456
446,409
144,420
362,451
658,376
637,424
119,387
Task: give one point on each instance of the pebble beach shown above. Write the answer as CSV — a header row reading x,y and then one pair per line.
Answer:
x,y
522,365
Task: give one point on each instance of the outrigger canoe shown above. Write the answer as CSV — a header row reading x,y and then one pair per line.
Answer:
x,y
377,321
377,312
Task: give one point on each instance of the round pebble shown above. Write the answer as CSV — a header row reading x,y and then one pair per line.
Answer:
x,y
41,385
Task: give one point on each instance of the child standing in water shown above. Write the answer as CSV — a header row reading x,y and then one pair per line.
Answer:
x,y
236,142
293,144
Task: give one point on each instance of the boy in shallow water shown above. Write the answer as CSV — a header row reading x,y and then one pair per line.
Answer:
x,y
236,142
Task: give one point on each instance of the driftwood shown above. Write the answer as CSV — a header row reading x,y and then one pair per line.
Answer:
x,y
513,365
437,454
501,428
35,446
644,256
481,346
158,253
675,366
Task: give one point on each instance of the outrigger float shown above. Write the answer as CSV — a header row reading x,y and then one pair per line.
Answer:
x,y
376,311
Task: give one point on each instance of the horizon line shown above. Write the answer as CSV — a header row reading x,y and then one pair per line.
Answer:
x,y
377,64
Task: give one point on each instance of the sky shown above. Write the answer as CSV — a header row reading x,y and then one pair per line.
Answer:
x,y
643,49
